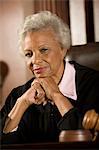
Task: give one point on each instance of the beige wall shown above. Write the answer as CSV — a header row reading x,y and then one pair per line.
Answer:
x,y
12,13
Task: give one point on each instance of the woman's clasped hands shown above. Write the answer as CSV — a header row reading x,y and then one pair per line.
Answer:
x,y
41,91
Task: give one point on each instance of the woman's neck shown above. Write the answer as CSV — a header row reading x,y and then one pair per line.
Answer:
x,y
59,74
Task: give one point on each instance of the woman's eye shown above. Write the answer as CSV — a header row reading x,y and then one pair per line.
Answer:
x,y
42,50
29,54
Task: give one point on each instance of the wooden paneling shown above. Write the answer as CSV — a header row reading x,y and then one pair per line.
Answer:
x,y
60,7
89,20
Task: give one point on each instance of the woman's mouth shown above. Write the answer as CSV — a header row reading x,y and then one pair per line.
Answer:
x,y
39,70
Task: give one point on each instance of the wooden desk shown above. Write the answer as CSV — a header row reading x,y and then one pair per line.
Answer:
x,y
53,146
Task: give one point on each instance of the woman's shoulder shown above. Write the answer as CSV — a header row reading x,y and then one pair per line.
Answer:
x,y
15,94
85,74
83,68
22,88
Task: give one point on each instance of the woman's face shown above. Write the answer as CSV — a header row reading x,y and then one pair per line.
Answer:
x,y
43,53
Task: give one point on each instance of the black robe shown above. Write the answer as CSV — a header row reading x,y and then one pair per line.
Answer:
x,y
44,123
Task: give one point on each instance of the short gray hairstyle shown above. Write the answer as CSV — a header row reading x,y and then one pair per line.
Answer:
x,y
44,19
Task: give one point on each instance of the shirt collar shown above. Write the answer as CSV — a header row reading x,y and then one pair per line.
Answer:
x,y
67,85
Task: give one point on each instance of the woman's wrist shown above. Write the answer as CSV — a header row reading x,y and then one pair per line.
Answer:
x,y
62,103
24,102
15,115
56,95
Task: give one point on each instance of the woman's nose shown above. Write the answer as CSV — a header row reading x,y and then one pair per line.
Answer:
x,y
36,58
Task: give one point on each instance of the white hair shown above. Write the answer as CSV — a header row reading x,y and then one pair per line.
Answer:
x,y
44,19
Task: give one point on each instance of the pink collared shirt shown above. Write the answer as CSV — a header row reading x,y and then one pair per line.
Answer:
x,y
67,85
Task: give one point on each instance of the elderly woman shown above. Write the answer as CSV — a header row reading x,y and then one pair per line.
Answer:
x,y
60,92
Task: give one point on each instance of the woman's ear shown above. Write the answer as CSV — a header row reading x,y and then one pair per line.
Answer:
x,y
64,51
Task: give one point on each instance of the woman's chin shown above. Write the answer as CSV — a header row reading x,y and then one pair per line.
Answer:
x,y
41,75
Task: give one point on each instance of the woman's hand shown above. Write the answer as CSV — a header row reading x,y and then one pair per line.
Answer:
x,y
53,93
50,87
35,94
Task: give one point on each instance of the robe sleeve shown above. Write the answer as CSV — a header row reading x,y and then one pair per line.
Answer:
x,y
72,120
9,103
